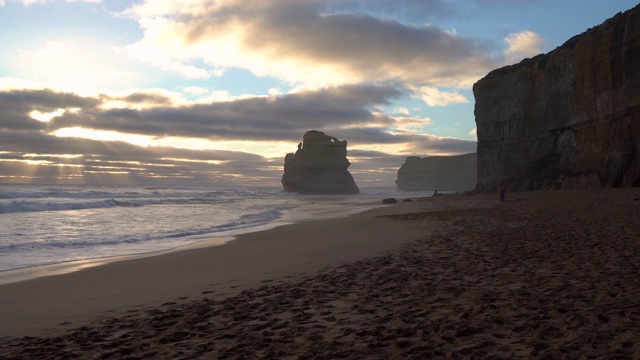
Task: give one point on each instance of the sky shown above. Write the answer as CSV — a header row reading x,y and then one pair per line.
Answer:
x,y
217,92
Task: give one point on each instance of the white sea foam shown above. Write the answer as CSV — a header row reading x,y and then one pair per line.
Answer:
x,y
46,225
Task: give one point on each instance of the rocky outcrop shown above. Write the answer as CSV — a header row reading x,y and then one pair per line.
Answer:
x,y
319,167
566,119
446,173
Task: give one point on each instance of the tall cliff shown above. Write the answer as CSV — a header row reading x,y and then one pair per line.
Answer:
x,y
566,119
446,173
319,166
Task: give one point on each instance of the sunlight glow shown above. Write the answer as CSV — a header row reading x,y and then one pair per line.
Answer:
x,y
268,149
30,162
115,167
45,117
391,149
75,65
119,162
215,162
63,156
68,165
102,135
106,172
149,141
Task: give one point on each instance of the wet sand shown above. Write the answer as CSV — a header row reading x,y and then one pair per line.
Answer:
x,y
542,275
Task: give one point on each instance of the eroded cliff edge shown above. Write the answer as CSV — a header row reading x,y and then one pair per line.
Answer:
x,y
566,119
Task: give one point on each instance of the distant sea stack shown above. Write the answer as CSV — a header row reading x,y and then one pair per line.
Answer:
x,y
446,173
319,167
566,119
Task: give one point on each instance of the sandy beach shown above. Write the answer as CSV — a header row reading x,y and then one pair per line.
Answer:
x,y
549,275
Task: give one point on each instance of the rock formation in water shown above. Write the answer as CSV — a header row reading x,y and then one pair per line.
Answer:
x,y
566,119
446,173
319,167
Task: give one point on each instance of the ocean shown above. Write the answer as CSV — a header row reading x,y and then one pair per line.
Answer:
x,y
44,225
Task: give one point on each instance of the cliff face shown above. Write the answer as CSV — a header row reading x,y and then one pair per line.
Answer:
x,y
319,167
566,119
446,173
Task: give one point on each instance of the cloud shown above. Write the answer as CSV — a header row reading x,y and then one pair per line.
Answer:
x,y
343,111
42,158
522,45
18,106
90,139
304,44
195,90
260,118
79,64
410,124
162,49
400,111
32,2
434,97
473,132
407,10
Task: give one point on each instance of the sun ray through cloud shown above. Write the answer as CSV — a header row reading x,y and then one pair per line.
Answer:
x,y
250,78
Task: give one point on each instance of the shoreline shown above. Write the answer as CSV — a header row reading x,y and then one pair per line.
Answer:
x,y
548,274
74,294
37,271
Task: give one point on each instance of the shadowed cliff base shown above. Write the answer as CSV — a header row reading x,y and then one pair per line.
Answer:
x,y
566,119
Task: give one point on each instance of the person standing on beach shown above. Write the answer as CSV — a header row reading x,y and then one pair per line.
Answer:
x,y
503,192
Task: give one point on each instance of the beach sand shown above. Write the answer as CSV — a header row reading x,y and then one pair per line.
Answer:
x,y
552,274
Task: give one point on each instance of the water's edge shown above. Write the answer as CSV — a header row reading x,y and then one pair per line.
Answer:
x,y
28,273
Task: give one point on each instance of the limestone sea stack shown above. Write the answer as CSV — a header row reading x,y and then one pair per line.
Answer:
x,y
446,173
319,167
566,119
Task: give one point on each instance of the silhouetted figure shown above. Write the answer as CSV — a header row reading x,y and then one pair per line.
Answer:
x,y
503,192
